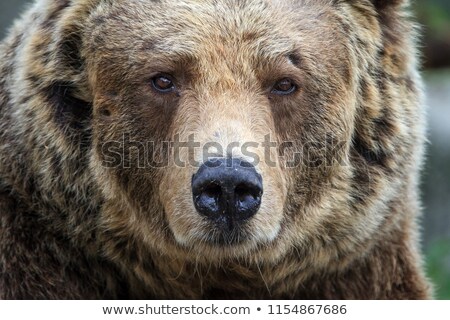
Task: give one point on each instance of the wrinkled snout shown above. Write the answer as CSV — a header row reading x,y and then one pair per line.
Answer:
x,y
227,191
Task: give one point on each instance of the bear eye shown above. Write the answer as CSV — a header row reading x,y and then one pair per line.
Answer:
x,y
163,84
284,87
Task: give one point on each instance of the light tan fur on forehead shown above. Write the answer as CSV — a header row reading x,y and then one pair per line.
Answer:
x,y
192,28
213,38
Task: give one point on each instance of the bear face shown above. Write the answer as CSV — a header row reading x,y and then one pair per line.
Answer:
x,y
222,80
259,134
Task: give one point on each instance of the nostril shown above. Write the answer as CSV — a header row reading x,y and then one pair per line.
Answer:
x,y
245,192
212,190
248,199
208,199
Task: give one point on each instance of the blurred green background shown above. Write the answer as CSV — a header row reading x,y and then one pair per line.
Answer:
x,y
434,16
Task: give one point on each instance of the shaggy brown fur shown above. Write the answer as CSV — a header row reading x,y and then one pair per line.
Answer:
x,y
76,75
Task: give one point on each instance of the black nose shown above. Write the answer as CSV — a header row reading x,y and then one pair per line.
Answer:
x,y
227,190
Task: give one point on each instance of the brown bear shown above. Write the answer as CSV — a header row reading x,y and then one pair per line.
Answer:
x,y
184,149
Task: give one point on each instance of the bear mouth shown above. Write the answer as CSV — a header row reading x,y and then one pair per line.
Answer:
x,y
231,235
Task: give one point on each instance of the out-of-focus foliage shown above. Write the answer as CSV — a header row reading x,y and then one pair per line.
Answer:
x,y
438,267
435,18
437,15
